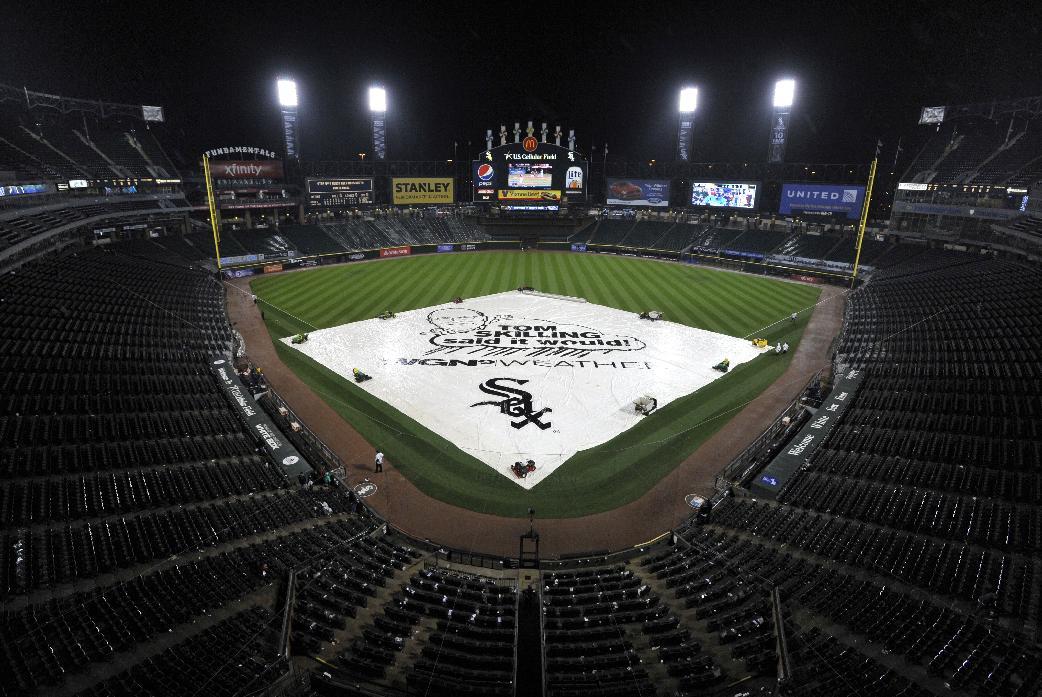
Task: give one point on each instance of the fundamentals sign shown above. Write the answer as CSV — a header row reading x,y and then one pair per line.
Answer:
x,y
418,191
523,376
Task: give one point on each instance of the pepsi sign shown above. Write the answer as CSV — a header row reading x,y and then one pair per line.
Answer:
x,y
484,181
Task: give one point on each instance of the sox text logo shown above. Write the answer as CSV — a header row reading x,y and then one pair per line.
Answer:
x,y
515,403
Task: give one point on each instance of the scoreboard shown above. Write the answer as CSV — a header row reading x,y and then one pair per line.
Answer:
x,y
339,193
529,175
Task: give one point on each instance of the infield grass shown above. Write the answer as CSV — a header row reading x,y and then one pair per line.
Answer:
x,y
594,480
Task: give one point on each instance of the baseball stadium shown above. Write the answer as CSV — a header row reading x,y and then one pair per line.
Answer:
x,y
293,408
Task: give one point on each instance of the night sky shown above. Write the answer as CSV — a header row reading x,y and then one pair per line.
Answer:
x,y
863,69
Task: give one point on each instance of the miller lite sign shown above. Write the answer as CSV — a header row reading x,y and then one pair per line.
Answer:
x,y
573,179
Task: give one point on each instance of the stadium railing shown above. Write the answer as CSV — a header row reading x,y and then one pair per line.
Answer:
x,y
300,435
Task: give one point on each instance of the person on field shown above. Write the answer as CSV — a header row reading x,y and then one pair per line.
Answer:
x,y
793,316
379,461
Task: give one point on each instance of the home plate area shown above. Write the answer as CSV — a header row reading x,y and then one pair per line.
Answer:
x,y
524,376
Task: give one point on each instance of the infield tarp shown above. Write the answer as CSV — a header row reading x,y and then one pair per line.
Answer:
x,y
519,376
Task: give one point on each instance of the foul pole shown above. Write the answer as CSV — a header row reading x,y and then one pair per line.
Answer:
x,y
864,218
213,210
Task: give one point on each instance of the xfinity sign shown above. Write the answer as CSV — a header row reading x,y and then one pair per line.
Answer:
x,y
822,198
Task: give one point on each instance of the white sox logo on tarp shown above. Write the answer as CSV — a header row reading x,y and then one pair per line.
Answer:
x,y
515,403
474,333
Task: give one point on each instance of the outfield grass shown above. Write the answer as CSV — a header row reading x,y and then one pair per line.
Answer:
x,y
594,480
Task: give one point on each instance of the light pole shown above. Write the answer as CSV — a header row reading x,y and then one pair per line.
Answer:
x,y
378,112
784,96
288,104
686,106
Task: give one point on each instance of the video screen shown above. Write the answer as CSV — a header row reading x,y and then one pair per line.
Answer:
x,y
522,175
724,195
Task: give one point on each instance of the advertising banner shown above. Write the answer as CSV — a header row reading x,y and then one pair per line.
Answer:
x,y
687,125
528,195
806,279
956,211
23,189
395,252
785,259
638,192
272,268
242,259
786,463
573,179
484,176
232,172
779,128
742,253
822,198
446,248
256,420
422,190
578,247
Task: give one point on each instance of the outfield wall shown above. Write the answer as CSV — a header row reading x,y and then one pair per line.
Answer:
x,y
763,267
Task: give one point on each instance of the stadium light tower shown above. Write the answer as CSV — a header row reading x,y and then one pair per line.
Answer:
x,y
687,106
288,104
784,96
378,111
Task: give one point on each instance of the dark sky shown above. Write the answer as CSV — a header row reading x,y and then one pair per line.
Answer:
x,y
863,69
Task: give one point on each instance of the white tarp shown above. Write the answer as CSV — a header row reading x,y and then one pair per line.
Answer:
x,y
518,376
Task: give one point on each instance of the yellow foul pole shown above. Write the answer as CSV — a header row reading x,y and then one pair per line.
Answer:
x,y
213,210
864,217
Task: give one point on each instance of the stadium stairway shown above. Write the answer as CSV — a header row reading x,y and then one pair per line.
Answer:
x,y
438,631
734,669
364,617
411,653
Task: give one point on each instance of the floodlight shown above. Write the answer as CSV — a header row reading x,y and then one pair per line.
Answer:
x,y
784,91
377,99
688,100
287,92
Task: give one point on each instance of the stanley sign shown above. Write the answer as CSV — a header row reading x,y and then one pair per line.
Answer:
x,y
413,191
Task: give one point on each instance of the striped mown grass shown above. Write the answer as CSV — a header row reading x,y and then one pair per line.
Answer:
x,y
594,480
